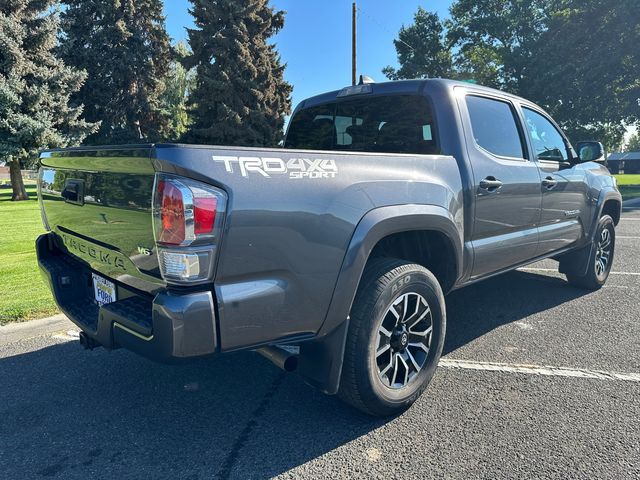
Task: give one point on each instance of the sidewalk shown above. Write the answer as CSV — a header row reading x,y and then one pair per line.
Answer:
x,y
15,332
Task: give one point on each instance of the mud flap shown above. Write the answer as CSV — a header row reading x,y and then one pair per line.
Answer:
x,y
320,361
576,262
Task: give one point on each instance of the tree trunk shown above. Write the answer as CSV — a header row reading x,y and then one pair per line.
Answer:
x,y
19,192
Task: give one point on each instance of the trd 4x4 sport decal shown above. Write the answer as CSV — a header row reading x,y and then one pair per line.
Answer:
x,y
295,168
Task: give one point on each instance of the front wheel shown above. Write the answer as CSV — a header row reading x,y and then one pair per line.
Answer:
x,y
395,338
600,257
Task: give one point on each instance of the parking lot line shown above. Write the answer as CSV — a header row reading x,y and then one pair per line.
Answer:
x,y
531,269
540,370
626,237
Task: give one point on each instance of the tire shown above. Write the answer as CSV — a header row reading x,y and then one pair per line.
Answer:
x,y
602,250
390,291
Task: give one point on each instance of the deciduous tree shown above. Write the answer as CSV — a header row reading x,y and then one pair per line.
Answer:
x,y
422,49
633,144
577,58
496,39
586,68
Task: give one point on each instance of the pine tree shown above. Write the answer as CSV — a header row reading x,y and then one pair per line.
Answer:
x,y
35,86
241,97
124,47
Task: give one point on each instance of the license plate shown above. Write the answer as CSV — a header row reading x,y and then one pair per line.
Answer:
x,y
104,290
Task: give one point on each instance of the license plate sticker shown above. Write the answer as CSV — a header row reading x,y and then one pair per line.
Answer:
x,y
104,290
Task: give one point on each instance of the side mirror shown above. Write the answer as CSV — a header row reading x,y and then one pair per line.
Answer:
x,y
591,152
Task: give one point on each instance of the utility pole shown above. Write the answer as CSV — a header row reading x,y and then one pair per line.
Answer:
x,y
353,44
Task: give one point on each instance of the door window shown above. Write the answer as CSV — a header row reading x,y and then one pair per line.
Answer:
x,y
494,126
548,143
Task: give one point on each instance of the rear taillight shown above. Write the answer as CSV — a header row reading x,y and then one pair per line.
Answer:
x,y
187,218
172,222
204,214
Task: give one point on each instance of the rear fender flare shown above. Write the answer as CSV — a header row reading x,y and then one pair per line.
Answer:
x,y
373,227
321,358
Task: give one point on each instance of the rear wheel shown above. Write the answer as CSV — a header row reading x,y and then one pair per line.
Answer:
x,y
600,257
395,339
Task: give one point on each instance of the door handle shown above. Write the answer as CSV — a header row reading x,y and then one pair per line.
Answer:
x,y
490,183
549,183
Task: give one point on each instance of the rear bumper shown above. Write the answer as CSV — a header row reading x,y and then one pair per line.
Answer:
x,y
165,328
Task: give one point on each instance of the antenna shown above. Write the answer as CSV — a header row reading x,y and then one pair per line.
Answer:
x,y
353,43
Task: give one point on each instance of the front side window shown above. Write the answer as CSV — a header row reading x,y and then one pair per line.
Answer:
x,y
548,143
385,124
494,126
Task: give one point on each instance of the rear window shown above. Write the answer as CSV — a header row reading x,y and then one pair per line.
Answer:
x,y
392,124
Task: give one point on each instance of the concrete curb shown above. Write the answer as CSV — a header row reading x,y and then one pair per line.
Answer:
x,y
14,332
633,203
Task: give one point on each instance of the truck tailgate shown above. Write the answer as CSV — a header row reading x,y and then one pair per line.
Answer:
x,y
99,204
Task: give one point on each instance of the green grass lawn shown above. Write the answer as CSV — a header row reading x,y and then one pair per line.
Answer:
x,y
629,186
629,192
23,293
630,179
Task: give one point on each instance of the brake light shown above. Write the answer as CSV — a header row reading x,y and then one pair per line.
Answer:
x,y
187,219
204,214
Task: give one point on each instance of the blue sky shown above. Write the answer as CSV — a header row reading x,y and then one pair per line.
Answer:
x,y
316,40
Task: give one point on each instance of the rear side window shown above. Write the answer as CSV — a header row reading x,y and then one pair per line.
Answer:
x,y
392,124
494,126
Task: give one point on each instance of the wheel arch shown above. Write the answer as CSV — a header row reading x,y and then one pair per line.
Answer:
x,y
384,223
609,203
431,249
321,359
613,207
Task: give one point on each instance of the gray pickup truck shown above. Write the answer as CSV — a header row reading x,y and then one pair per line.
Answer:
x,y
333,255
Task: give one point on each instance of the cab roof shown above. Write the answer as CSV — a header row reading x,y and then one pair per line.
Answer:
x,y
403,86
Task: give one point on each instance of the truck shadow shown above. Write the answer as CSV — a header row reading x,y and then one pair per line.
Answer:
x,y
69,413
476,310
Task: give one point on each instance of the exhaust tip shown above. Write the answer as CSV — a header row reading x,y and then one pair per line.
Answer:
x,y
87,342
290,364
280,357
83,340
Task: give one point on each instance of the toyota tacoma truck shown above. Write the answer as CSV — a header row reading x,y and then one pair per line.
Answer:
x,y
332,255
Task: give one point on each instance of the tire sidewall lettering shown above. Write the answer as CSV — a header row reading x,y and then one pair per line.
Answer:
x,y
399,284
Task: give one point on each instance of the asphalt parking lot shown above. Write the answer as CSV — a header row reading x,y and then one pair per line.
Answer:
x,y
491,411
